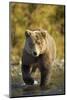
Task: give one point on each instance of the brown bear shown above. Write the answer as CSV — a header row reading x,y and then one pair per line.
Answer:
x,y
40,48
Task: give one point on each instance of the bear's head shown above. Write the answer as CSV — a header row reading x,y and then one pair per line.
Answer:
x,y
35,42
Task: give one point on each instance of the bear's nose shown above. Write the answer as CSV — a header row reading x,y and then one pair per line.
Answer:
x,y
34,52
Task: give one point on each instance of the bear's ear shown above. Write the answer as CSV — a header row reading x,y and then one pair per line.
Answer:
x,y
27,33
43,34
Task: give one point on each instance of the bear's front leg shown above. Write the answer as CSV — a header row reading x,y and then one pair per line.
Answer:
x,y
44,70
26,75
44,76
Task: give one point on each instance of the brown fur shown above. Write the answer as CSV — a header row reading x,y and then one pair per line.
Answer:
x,y
44,46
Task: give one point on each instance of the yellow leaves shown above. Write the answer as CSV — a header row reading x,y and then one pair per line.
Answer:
x,y
19,29
24,16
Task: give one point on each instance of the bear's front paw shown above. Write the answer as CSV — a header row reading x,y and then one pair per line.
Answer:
x,y
29,81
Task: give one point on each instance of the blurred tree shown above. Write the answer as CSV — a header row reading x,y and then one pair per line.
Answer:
x,y
49,17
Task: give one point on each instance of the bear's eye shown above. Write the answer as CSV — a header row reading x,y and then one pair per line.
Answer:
x,y
36,36
31,45
43,34
38,41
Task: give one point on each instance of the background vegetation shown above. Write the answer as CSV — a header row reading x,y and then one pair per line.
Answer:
x,y
28,16
24,16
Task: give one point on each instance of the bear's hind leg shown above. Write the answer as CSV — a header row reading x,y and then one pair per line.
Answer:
x,y
26,75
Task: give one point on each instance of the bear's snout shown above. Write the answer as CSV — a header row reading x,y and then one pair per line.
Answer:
x,y
34,53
